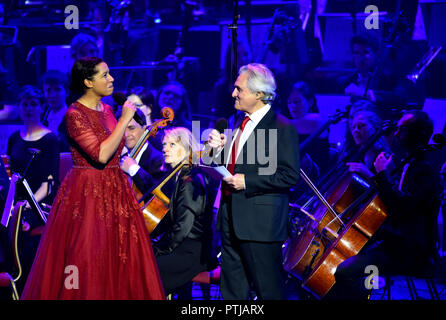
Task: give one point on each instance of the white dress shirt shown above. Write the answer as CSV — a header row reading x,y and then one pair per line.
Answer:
x,y
135,167
254,120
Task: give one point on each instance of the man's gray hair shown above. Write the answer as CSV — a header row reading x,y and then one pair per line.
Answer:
x,y
260,79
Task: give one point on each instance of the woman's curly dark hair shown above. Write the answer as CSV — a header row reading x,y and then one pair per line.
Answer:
x,y
84,68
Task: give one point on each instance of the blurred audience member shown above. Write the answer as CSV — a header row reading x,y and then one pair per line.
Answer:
x,y
145,101
174,95
8,93
83,45
55,89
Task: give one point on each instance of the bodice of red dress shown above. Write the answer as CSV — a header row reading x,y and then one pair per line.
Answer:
x,y
89,128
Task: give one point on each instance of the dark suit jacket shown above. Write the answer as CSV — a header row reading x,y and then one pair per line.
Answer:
x,y
260,212
412,212
150,172
190,213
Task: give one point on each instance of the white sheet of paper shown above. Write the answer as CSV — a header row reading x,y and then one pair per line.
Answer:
x,y
218,173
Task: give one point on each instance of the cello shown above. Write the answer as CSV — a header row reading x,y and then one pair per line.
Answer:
x,y
338,191
370,213
168,116
156,208
330,216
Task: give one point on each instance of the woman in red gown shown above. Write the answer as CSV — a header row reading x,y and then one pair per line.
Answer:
x,y
95,245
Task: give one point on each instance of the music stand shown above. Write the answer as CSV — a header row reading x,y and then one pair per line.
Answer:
x,y
29,197
17,179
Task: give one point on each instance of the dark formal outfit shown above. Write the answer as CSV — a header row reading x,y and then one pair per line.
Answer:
x,y
45,164
318,151
254,222
405,243
185,248
148,171
55,121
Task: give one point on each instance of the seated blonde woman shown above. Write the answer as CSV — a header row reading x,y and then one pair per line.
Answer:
x,y
183,250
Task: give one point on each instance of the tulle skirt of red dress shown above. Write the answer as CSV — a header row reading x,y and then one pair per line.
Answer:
x,y
95,245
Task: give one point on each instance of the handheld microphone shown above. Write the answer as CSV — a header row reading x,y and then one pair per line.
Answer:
x,y
221,125
120,99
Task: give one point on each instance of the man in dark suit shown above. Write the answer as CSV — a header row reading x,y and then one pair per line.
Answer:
x,y
146,169
263,157
406,242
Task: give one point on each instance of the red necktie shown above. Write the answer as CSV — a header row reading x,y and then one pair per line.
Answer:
x,y
231,164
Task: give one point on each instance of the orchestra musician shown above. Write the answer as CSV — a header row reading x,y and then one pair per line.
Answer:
x,y
363,126
42,174
405,243
146,169
185,247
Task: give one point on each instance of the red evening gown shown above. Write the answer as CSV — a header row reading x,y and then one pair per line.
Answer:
x,y
95,244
